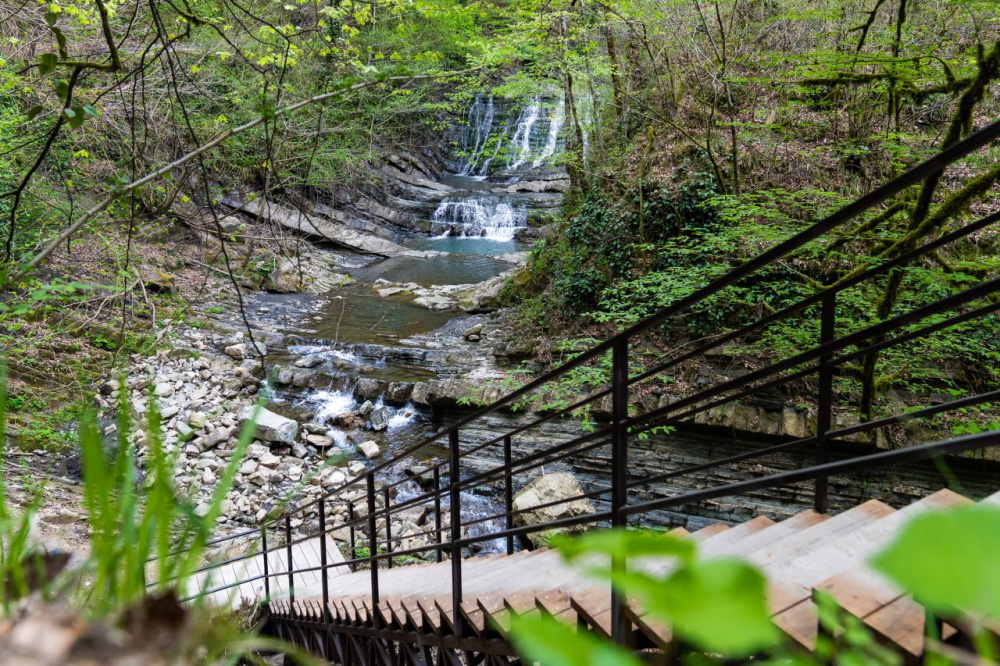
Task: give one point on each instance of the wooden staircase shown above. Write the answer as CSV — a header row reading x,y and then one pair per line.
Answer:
x,y
801,555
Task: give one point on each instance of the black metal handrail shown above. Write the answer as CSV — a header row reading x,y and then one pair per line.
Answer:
x,y
831,351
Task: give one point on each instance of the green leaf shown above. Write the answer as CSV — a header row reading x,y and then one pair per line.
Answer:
x,y
34,111
89,110
74,116
547,640
51,18
47,62
716,605
948,560
622,543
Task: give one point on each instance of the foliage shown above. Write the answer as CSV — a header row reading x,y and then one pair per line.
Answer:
x,y
716,608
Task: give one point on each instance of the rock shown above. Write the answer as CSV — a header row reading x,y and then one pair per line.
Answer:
x,y
299,450
197,420
546,489
474,338
208,477
369,449
475,330
269,460
271,427
202,510
216,437
368,388
355,467
397,393
249,467
366,408
230,224
163,390
169,411
314,428
159,282
320,441
380,419
236,351
309,362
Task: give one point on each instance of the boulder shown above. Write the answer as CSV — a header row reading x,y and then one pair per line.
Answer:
x,y
309,362
271,427
368,388
369,449
380,419
546,489
397,393
366,408
475,330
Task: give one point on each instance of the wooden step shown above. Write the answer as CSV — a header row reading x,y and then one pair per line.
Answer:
x,y
593,607
709,531
769,535
850,549
802,543
720,542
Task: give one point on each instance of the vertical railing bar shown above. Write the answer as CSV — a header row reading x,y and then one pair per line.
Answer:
x,y
619,473
350,520
291,576
508,493
388,528
323,560
373,549
456,532
824,416
437,512
267,577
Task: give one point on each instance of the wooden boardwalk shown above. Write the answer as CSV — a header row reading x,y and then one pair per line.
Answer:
x,y
803,554
305,555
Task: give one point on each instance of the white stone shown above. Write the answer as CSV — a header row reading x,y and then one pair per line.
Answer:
x,y
369,449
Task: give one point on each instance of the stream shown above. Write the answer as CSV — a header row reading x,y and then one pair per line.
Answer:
x,y
355,334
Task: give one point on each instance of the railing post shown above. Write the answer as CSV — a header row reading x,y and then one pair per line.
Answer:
x,y
267,577
373,548
456,532
508,494
322,558
388,528
437,512
619,472
291,576
354,549
824,416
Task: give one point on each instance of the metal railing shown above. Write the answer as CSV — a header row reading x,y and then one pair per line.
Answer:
x,y
820,364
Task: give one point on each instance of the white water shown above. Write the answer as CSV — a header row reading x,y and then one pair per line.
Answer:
x,y
555,124
486,217
522,137
480,122
331,404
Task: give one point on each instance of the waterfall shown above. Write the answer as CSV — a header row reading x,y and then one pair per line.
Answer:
x,y
555,124
479,216
522,137
480,126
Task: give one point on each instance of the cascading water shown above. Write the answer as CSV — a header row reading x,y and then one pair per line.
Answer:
x,y
555,124
474,139
482,216
521,140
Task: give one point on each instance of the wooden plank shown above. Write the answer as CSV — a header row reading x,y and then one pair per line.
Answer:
x,y
800,623
473,615
709,531
901,623
591,605
860,591
495,613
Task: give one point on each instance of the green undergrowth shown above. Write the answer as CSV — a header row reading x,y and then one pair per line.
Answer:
x,y
140,531
621,256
